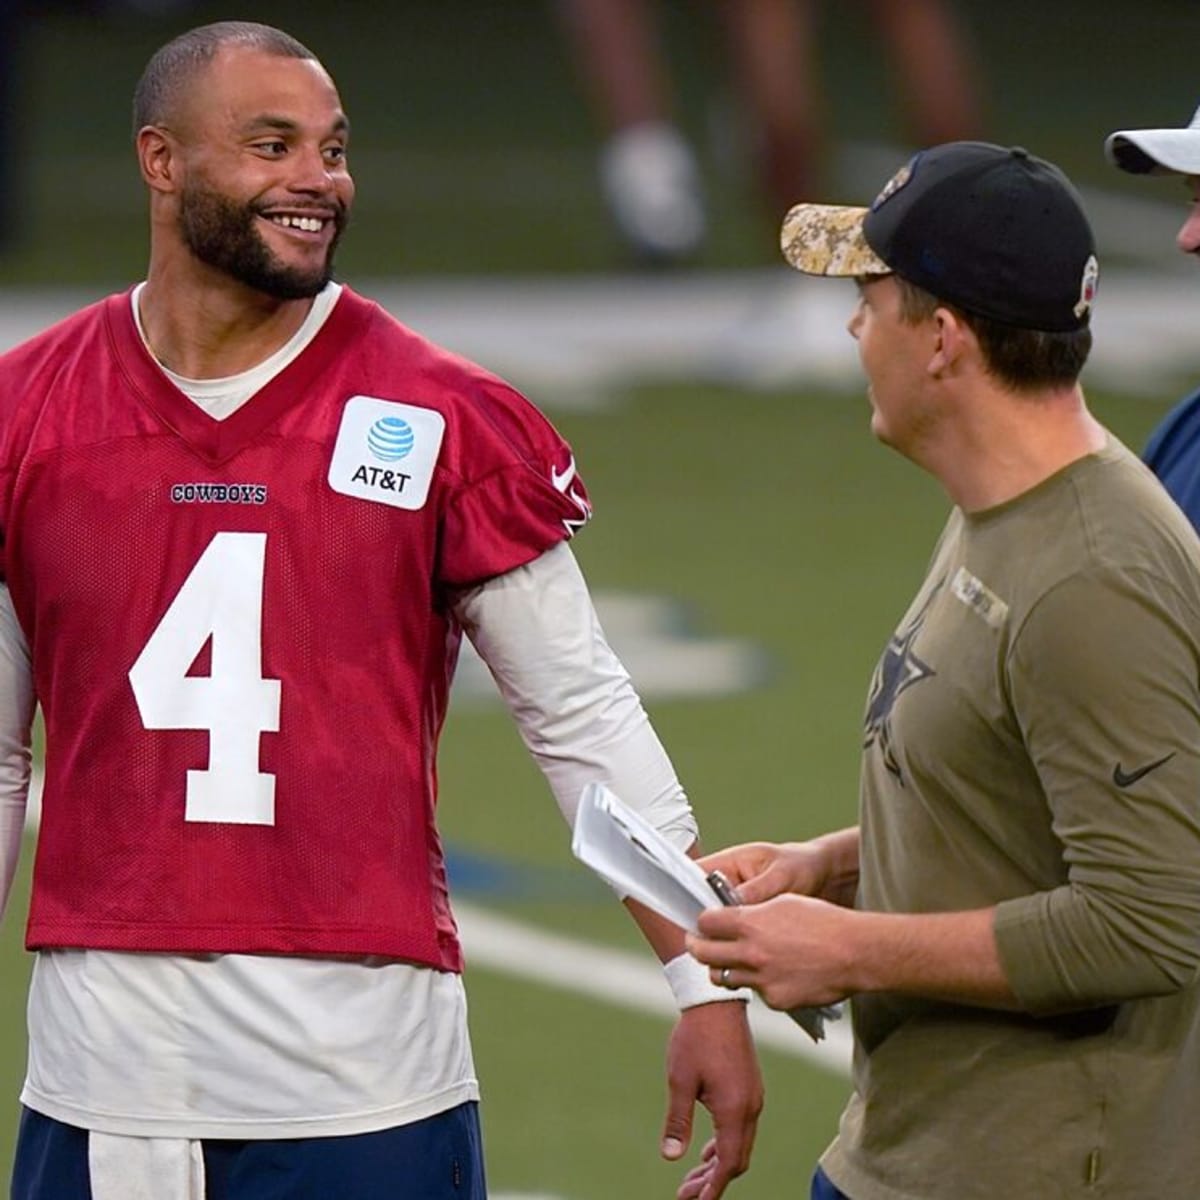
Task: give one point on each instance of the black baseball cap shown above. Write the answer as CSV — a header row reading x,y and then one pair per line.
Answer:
x,y
995,231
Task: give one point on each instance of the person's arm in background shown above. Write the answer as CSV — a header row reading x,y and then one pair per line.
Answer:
x,y
582,721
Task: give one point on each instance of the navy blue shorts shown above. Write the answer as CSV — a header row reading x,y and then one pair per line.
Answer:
x,y
823,1188
440,1158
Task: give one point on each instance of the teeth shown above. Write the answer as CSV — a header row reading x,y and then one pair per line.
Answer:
x,y
308,224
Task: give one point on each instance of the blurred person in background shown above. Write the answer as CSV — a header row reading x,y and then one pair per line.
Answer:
x,y
15,16
1016,918
12,21
247,518
650,178
1173,451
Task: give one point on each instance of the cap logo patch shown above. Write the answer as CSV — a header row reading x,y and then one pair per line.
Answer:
x,y
896,182
1087,286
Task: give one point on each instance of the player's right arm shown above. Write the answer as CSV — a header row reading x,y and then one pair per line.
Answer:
x,y
16,721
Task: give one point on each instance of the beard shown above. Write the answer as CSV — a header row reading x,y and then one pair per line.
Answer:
x,y
223,234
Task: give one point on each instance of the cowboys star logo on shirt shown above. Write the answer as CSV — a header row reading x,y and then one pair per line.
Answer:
x,y
897,671
386,451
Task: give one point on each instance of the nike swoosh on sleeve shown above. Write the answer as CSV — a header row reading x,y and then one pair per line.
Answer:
x,y
562,481
1123,780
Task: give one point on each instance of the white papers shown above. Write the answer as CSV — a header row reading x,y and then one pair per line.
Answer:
x,y
627,851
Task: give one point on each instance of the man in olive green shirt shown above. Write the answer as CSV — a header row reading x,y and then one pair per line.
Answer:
x,y
1017,915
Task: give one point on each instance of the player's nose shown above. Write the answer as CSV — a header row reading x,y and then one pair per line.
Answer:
x,y
311,172
854,324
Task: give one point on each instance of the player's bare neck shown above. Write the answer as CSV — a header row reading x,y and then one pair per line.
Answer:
x,y
212,332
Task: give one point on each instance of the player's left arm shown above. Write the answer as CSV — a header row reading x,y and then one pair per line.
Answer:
x,y
710,1058
581,719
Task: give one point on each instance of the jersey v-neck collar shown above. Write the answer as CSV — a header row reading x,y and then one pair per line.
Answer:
x,y
216,441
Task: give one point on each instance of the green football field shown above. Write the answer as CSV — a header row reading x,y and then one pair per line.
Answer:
x,y
768,518
782,524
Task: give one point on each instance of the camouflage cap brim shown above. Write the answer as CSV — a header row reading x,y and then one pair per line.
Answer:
x,y
827,239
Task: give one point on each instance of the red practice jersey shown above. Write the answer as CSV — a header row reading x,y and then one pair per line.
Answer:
x,y
240,631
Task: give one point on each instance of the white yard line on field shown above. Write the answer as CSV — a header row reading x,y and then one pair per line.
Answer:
x,y
620,978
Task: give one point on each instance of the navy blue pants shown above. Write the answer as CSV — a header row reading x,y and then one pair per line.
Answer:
x,y
440,1158
823,1188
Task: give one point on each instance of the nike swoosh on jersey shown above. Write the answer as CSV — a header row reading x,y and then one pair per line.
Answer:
x,y
562,481
1122,780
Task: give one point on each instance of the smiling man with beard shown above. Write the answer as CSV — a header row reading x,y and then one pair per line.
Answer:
x,y
246,518
222,231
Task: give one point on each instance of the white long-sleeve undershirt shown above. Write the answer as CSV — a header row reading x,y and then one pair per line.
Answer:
x,y
571,697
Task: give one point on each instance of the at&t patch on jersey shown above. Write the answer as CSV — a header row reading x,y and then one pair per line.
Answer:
x,y
386,451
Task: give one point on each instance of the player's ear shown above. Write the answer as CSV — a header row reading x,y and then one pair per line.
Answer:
x,y
952,336
157,155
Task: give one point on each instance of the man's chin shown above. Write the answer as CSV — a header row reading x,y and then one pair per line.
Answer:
x,y
288,285
879,428
301,290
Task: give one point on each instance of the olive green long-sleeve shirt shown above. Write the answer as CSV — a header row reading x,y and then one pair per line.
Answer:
x,y
1032,741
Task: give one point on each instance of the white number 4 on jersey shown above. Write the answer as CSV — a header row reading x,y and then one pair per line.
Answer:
x,y
221,599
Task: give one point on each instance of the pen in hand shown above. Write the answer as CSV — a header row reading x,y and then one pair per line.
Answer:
x,y
811,1020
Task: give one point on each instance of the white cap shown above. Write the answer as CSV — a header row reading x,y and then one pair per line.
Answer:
x,y
1156,151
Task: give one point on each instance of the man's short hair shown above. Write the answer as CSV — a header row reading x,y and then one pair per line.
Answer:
x,y
173,67
1023,360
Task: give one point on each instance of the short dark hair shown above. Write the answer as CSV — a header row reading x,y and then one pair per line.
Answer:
x,y
1021,359
176,64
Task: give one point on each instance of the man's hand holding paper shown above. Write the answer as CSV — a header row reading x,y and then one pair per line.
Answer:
x,y
639,863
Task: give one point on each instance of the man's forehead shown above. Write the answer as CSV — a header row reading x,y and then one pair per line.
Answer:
x,y
244,84
878,284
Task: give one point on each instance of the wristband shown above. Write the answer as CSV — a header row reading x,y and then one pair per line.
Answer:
x,y
691,985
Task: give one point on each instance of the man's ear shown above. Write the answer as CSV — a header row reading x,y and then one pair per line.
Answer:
x,y
952,339
158,158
